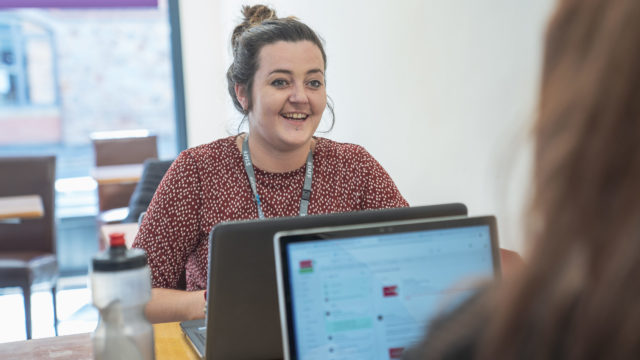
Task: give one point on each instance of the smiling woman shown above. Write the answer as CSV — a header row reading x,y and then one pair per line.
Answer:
x,y
279,168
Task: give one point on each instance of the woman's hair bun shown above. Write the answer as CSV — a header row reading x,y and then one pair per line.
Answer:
x,y
256,14
253,15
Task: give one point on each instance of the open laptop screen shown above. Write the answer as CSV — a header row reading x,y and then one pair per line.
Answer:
x,y
368,294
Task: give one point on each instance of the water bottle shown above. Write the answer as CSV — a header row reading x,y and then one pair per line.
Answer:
x,y
121,287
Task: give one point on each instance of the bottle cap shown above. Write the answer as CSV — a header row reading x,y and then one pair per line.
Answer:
x,y
118,257
116,239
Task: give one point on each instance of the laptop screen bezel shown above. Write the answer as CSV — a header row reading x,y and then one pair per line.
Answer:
x,y
283,239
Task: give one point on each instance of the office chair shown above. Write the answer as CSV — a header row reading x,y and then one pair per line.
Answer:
x,y
152,173
28,248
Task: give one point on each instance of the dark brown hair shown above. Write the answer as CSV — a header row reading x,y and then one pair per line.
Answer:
x,y
579,296
261,27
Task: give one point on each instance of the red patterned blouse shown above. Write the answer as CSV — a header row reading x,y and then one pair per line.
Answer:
x,y
208,184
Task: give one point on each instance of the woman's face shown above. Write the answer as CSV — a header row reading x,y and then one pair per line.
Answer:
x,y
288,95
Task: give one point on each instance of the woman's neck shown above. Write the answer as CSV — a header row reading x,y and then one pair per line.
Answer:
x,y
273,160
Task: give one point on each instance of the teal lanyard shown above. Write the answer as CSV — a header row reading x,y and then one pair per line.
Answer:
x,y
306,187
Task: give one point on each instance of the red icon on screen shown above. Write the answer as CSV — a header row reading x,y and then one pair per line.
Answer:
x,y
395,353
306,266
389,291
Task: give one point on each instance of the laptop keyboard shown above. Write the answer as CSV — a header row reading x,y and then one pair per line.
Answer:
x,y
201,334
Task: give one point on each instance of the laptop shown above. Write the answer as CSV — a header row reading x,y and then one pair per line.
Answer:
x,y
242,317
369,291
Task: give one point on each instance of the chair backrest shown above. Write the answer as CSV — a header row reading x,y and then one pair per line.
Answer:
x,y
120,150
152,173
27,176
125,150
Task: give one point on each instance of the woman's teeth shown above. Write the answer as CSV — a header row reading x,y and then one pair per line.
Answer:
x,y
295,116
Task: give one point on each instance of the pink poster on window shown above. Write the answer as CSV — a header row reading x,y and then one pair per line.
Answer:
x,y
77,4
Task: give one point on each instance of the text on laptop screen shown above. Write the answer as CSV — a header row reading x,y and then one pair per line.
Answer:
x,y
370,297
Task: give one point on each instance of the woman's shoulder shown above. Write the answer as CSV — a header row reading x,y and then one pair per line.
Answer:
x,y
347,151
219,147
214,155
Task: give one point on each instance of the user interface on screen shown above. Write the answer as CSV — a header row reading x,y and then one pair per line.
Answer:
x,y
371,297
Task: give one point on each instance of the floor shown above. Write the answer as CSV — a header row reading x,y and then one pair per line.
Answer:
x,y
75,312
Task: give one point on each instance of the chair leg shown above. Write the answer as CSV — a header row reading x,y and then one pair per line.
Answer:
x,y
55,310
26,290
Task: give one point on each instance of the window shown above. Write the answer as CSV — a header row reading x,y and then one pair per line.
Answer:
x,y
68,72
27,75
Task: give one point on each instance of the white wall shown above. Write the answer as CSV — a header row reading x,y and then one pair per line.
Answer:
x,y
441,92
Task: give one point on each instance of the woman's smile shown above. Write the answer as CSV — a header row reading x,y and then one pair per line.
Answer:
x,y
295,116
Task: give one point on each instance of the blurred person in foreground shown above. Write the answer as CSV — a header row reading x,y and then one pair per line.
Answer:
x,y
579,297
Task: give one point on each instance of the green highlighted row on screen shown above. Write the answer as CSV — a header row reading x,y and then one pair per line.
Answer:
x,y
349,325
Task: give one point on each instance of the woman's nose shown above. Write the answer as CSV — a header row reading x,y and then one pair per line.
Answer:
x,y
298,95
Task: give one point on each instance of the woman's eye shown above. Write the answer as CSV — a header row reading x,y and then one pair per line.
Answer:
x,y
315,83
279,83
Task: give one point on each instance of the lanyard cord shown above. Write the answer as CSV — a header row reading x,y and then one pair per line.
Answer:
x,y
306,187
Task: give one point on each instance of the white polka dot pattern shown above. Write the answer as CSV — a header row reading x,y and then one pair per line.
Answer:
x,y
208,184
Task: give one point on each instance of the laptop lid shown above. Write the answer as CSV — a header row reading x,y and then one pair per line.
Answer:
x,y
369,291
242,294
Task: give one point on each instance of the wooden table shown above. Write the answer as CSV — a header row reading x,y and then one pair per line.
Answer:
x,y
20,207
117,174
170,343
